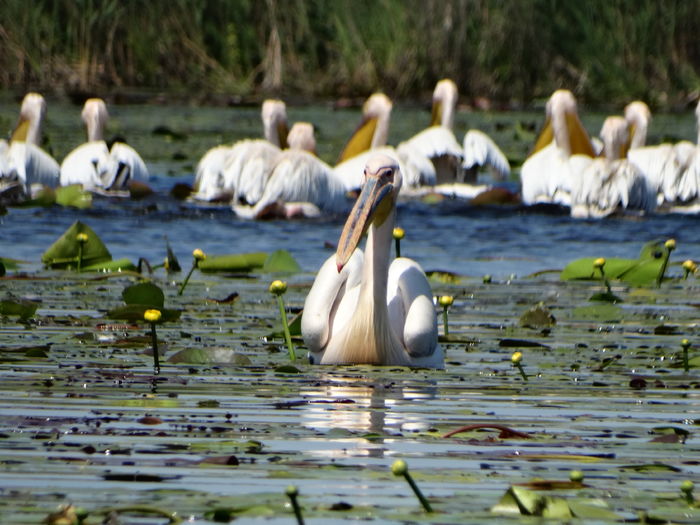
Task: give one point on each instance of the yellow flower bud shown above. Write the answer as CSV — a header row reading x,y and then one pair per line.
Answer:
x,y
576,476
446,300
690,266
516,357
199,255
278,287
399,468
687,486
398,233
291,491
152,316
685,343
670,244
599,262
82,237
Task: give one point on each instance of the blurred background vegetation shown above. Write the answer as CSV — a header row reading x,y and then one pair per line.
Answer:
x,y
507,53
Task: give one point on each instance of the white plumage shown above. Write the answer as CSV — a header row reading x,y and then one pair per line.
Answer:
x,y
96,165
363,308
23,162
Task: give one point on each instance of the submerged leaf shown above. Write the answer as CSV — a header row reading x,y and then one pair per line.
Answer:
x,y
241,262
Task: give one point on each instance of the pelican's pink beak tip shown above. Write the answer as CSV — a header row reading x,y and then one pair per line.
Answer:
x,y
340,267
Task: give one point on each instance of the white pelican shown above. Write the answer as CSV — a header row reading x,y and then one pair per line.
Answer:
x,y
369,138
671,170
364,308
238,172
454,162
23,162
562,148
97,165
300,184
610,183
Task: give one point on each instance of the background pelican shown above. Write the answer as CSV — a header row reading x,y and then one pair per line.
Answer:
x,y
300,184
239,171
361,308
23,163
97,165
562,148
454,162
610,183
671,170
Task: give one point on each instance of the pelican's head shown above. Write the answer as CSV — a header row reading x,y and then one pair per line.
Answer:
x,y
376,202
31,115
274,117
373,130
95,117
563,126
301,136
615,136
444,103
638,116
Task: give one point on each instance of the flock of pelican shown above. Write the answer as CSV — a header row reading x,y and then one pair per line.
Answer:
x,y
25,168
597,178
366,307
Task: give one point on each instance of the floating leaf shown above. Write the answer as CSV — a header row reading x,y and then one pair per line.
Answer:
x,y
242,262
73,195
64,252
171,262
445,277
119,265
604,312
22,308
203,356
281,261
592,509
294,327
556,508
145,293
10,264
134,313
538,317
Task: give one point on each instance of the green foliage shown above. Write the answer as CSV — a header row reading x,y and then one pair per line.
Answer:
x,y
22,308
511,50
281,261
240,262
146,293
65,251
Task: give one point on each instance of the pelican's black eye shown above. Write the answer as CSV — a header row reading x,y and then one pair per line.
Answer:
x,y
387,174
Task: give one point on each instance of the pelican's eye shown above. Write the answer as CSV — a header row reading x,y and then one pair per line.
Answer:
x,y
386,175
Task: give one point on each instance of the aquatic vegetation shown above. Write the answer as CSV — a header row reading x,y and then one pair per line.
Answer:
x,y
197,257
152,316
292,493
398,234
516,359
400,468
445,301
278,288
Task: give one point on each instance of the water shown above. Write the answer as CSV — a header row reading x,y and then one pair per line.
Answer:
x,y
72,427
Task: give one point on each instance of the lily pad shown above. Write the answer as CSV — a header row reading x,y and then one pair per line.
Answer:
x,y
74,196
21,308
538,317
65,251
118,265
134,313
240,262
147,294
281,261
202,356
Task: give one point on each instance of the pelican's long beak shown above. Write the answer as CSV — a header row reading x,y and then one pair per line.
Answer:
x,y
361,139
19,134
545,137
371,205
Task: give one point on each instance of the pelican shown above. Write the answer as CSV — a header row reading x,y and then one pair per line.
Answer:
x,y
364,308
369,138
300,184
23,164
668,168
97,165
562,148
454,162
610,183
239,172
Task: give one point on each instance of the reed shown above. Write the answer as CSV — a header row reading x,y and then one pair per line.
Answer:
x,y
507,50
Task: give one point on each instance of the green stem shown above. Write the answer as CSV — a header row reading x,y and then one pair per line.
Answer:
x,y
154,339
444,321
686,365
418,493
184,283
297,509
80,255
605,280
662,270
521,370
398,247
285,326
144,509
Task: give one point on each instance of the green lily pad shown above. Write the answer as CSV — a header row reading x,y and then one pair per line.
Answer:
x,y
240,262
538,317
21,308
144,294
281,261
591,508
74,196
134,313
604,312
294,327
10,264
64,252
203,356
118,265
